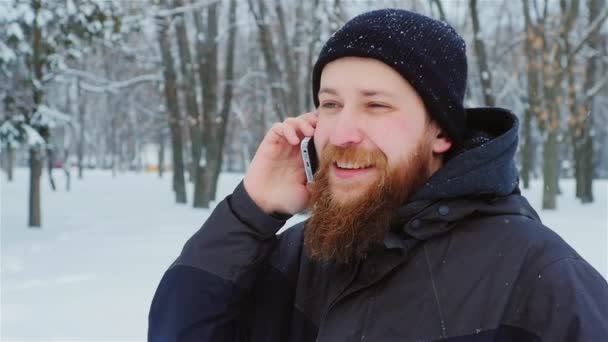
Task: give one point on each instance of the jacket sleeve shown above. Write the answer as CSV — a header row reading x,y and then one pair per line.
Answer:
x,y
201,294
567,301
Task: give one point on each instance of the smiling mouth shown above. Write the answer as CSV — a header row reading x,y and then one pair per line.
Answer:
x,y
352,166
351,171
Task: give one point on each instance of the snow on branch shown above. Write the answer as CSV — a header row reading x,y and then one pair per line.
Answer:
x,y
593,27
10,136
49,117
100,84
7,54
34,139
168,12
596,88
250,75
185,8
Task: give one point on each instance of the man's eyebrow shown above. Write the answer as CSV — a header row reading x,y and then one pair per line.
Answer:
x,y
373,92
364,92
328,90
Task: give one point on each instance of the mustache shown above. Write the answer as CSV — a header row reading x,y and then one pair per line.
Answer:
x,y
352,155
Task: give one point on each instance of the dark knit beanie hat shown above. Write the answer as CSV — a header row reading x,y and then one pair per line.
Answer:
x,y
428,53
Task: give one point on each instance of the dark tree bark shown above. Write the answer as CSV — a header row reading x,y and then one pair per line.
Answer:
x,y
194,118
550,170
533,108
583,118
217,151
482,59
36,151
208,80
161,153
549,72
174,117
50,159
289,62
82,107
277,89
111,109
35,173
576,120
315,38
208,73
10,158
214,119
297,43
66,169
553,74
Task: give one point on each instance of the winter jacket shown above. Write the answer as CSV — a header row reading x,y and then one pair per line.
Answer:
x,y
466,259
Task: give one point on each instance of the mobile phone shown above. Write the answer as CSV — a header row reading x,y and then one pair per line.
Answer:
x,y
309,156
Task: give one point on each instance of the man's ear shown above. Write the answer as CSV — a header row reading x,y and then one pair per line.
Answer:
x,y
441,142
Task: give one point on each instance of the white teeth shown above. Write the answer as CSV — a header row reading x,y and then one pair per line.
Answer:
x,y
343,165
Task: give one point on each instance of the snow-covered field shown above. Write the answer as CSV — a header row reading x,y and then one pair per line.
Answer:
x,y
89,274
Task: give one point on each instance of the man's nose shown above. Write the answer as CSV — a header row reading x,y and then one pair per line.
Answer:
x,y
347,129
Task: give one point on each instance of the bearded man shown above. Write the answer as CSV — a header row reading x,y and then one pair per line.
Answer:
x,y
417,229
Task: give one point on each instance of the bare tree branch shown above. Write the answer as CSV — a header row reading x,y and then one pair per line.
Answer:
x,y
593,27
103,84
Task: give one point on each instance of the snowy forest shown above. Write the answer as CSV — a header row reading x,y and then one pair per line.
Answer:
x,y
123,123
187,88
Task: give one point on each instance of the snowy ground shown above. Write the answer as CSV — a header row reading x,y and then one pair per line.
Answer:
x,y
91,271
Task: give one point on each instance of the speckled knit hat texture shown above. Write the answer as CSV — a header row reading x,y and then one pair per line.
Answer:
x,y
428,53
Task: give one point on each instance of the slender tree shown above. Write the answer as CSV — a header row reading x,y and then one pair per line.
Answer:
x,y
485,73
174,116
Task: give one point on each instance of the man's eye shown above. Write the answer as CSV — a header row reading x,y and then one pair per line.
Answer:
x,y
329,105
377,105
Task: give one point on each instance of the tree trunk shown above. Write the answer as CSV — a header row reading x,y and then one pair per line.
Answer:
x,y
66,169
67,136
297,42
111,109
10,157
50,158
35,152
315,38
553,73
289,59
575,120
551,150
81,131
277,89
206,48
550,170
161,154
575,123
218,151
586,167
194,122
551,126
211,112
179,183
482,60
35,173
531,47
114,144
587,170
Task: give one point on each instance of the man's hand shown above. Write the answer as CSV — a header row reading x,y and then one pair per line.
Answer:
x,y
276,180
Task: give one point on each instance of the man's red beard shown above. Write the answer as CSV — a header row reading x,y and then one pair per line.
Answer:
x,y
345,231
